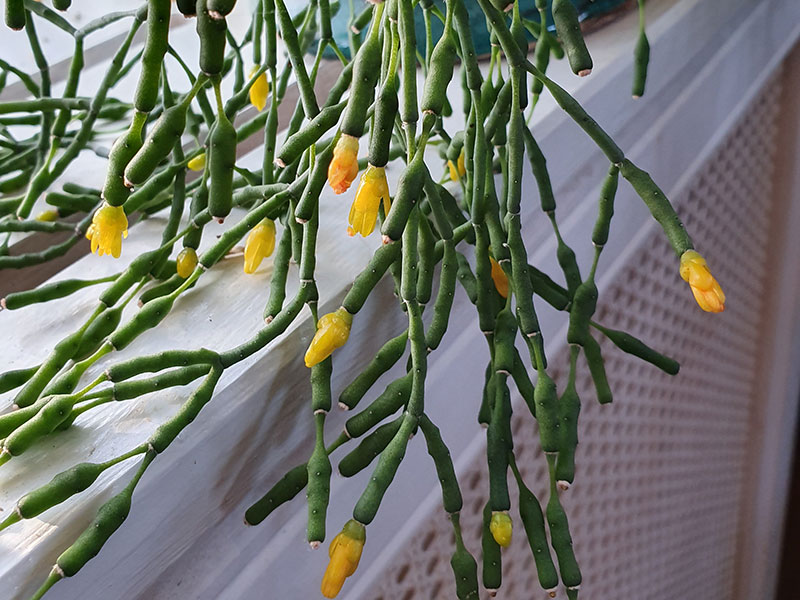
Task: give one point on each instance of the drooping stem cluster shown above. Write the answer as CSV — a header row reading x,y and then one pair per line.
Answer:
x,y
461,231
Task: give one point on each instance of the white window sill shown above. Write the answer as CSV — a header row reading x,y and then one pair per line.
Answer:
x,y
184,537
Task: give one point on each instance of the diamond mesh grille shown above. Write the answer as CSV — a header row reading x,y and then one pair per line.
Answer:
x,y
654,511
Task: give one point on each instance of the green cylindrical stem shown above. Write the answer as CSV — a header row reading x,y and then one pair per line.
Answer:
x,y
562,542
366,69
15,14
62,352
444,298
498,445
492,559
641,57
632,345
109,518
309,134
384,359
212,35
425,261
157,362
546,399
49,291
284,490
70,203
12,420
42,423
451,493
584,304
115,192
533,521
370,447
370,500
319,481
157,145
150,315
366,281
394,397
166,433
221,160
659,206
162,289
155,48
62,486
594,358
565,16
13,379
465,568
97,331
605,209
127,390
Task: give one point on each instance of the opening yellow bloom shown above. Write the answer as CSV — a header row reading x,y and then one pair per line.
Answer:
x,y
345,554
198,163
501,528
706,290
453,170
259,90
344,165
109,226
457,169
333,330
500,278
186,262
260,244
462,168
371,190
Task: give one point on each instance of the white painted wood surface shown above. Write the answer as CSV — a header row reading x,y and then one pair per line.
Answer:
x,y
184,537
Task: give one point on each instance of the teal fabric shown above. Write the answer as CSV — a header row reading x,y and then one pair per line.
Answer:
x,y
586,9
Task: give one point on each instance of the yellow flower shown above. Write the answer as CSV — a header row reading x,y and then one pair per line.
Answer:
x,y
705,288
345,553
47,215
457,169
344,165
499,277
260,244
109,226
198,163
259,90
186,262
501,528
453,170
333,330
371,190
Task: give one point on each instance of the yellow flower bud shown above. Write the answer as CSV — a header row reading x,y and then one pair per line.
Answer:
x,y
501,528
499,277
457,169
345,554
371,190
109,226
198,163
344,165
453,170
47,215
333,330
259,90
186,262
260,244
706,290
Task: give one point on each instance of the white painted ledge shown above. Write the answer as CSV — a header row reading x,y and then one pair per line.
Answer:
x,y
185,537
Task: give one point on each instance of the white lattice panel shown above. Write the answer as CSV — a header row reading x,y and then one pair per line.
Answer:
x,y
655,508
